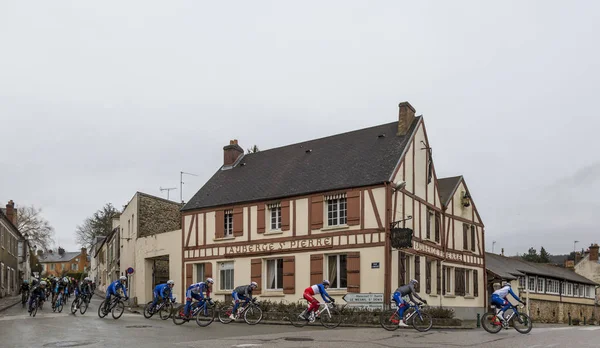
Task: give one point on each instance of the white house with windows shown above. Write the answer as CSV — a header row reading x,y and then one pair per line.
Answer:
x,y
552,292
292,216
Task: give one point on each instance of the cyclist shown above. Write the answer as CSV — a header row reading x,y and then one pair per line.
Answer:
x,y
24,287
402,291
313,303
161,291
499,299
38,292
112,290
244,293
196,291
61,285
84,289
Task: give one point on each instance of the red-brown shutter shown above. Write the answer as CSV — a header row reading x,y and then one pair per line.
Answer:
x,y
444,280
220,224
285,215
427,276
256,274
438,271
473,238
316,269
238,222
189,275
207,270
353,206
438,224
465,237
475,284
260,219
289,275
316,213
418,272
353,271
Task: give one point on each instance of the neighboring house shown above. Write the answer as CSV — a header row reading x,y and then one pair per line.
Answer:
x,y
101,263
589,267
552,292
94,273
9,251
58,263
24,259
150,235
292,216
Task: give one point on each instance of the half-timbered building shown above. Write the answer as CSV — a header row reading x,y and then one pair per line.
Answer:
x,y
292,216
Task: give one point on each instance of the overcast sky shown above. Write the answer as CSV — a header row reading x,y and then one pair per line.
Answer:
x,y
101,99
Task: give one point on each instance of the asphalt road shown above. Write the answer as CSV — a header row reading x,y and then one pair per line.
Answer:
x,y
49,329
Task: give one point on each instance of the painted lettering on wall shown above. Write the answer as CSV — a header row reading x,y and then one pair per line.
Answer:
x,y
437,252
278,246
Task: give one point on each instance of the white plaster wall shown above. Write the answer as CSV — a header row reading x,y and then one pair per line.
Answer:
x,y
302,217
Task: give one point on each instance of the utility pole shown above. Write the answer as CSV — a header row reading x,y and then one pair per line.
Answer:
x,y
574,246
168,189
181,184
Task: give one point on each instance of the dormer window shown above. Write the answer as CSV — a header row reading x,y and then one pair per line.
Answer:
x,y
336,210
228,223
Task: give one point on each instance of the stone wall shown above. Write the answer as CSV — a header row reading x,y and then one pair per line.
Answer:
x,y
157,215
542,311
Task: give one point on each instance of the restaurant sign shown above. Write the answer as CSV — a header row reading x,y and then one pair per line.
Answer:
x,y
267,247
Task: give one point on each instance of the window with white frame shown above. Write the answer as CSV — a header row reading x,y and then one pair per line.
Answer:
x,y
336,210
430,223
531,282
552,286
522,282
541,282
52,267
226,275
337,271
228,223
576,290
449,272
468,277
275,214
199,272
569,289
74,267
563,288
275,274
587,291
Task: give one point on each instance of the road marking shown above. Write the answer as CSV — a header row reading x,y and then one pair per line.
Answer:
x,y
248,345
552,345
590,328
537,345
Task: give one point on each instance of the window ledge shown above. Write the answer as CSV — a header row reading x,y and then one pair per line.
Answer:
x,y
272,294
432,295
223,292
273,232
224,238
337,291
469,297
334,228
449,296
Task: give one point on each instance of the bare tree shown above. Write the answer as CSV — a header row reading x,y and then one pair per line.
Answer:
x,y
253,149
38,229
100,224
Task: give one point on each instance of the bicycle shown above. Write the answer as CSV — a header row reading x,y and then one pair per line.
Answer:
x,y
34,307
116,306
24,297
57,306
80,303
329,316
250,310
492,324
203,310
421,321
164,309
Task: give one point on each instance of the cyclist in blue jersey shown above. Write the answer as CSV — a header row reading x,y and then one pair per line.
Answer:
x,y
196,291
499,299
38,292
408,289
162,291
242,293
112,290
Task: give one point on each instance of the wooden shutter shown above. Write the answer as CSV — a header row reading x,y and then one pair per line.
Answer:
x,y
260,219
438,271
316,213
465,237
256,274
316,269
289,275
353,271
418,272
428,224
285,215
238,222
189,275
438,226
353,206
427,277
401,268
220,224
473,238
475,284
444,280
207,270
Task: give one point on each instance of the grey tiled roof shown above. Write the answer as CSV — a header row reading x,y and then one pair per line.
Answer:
x,y
55,257
447,186
353,159
509,268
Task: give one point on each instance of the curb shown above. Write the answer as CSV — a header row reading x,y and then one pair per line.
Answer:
x,y
10,306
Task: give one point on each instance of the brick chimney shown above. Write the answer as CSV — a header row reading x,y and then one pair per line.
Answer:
x,y
61,251
578,257
11,214
83,252
232,152
594,252
406,115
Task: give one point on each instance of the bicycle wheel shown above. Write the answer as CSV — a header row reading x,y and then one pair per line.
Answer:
x,y
166,311
389,319
422,322
332,319
74,306
59,308
34,310
118,310
101,310
83,306
490,322
178,315
205,316
253,315
224,313
522,323
148,313
295,319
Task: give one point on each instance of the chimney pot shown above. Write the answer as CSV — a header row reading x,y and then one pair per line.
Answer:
x,y
11,214
406,115
232,152
594,252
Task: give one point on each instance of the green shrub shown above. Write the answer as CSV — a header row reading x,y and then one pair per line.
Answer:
x,y
440,312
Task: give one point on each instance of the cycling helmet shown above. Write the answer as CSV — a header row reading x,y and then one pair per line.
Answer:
x,y
254,284
506,284
123,278
210,281
414,281
326,282
42,283
25,281
65,280
170,282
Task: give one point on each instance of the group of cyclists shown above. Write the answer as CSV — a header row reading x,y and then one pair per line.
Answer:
x,y
54,287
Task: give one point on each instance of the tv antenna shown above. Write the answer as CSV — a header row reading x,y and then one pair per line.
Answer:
x,y
181,184
168,189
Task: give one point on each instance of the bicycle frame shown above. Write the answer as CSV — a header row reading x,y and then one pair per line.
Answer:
x,y
515,312
417,311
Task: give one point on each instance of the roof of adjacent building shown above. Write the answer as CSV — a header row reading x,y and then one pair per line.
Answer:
x,y
3,215
447,187
510,268
359,158
56,257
